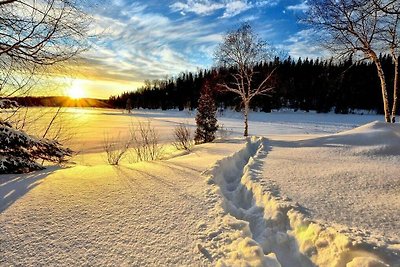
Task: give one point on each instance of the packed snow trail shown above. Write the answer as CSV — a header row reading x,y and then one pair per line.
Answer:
x,y
143,214
254,225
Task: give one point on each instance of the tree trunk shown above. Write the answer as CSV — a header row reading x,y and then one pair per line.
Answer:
x,y
395,87
381,75
246,119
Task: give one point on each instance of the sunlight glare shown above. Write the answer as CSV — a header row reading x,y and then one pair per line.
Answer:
x,y
76,91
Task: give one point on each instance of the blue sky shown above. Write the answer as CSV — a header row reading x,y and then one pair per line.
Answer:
x,y
140,40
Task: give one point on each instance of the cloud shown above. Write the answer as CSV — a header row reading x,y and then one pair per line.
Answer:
x,y
234,8
139,40
199,7
303,44
230,8
137,44
303,6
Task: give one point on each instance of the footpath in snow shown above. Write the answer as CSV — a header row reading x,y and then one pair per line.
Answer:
x,y
288,200
255,226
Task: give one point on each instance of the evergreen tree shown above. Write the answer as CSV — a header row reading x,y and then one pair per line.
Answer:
x,y
20,152
321,85
206,116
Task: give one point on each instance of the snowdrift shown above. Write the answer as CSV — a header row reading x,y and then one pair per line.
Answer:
x,y
375,138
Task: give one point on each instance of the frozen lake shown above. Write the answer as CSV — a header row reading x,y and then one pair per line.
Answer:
x,y
86,128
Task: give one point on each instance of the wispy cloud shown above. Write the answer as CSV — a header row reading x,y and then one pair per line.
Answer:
x,y
234,8
230,8
304,44
303,6
137,44
200,7
139,40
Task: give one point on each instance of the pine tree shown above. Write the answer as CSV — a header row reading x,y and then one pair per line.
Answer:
x,y
20,152
206,116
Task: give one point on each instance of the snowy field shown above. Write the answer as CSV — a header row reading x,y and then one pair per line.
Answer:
x,y
307,190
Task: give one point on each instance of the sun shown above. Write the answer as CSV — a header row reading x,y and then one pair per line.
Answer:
x,y
76,91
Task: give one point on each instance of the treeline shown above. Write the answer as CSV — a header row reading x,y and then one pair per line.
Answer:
x,y
58,101
305,84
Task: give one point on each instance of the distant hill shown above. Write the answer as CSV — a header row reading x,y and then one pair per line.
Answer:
x,y
59,101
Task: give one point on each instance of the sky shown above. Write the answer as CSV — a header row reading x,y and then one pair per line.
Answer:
x,y
146,40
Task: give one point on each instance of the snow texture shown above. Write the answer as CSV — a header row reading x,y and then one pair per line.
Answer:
x,y
142,214
350,178
254,225
297,198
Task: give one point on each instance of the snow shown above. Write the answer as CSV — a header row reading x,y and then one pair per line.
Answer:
x,y
89,126
255,225
132,215
313,190
8,104
350,178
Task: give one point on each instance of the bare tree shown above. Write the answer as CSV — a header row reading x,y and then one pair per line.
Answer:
x,y
390,36
241,50
394,45
388,6
35,35
352,27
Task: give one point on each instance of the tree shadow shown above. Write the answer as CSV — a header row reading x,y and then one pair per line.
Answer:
x,y
164,181
14,186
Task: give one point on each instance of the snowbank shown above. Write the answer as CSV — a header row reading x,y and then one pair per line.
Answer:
x,y
375,138
254,225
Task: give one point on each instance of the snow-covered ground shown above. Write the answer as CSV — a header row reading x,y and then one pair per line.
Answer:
x,y
350,178
303,194
143,214
89,126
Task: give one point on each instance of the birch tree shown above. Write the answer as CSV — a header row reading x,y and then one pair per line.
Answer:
x,y
240,51
390,36
352,27
393,41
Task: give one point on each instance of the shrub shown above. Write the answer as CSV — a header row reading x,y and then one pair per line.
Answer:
x,y
182,137
21,152
145,142
116,148
223,132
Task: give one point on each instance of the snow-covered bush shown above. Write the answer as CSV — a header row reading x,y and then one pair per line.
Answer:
x,y
182,137
6,104
20,152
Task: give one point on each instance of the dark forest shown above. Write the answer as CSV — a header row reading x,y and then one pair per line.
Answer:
x,y
303,84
